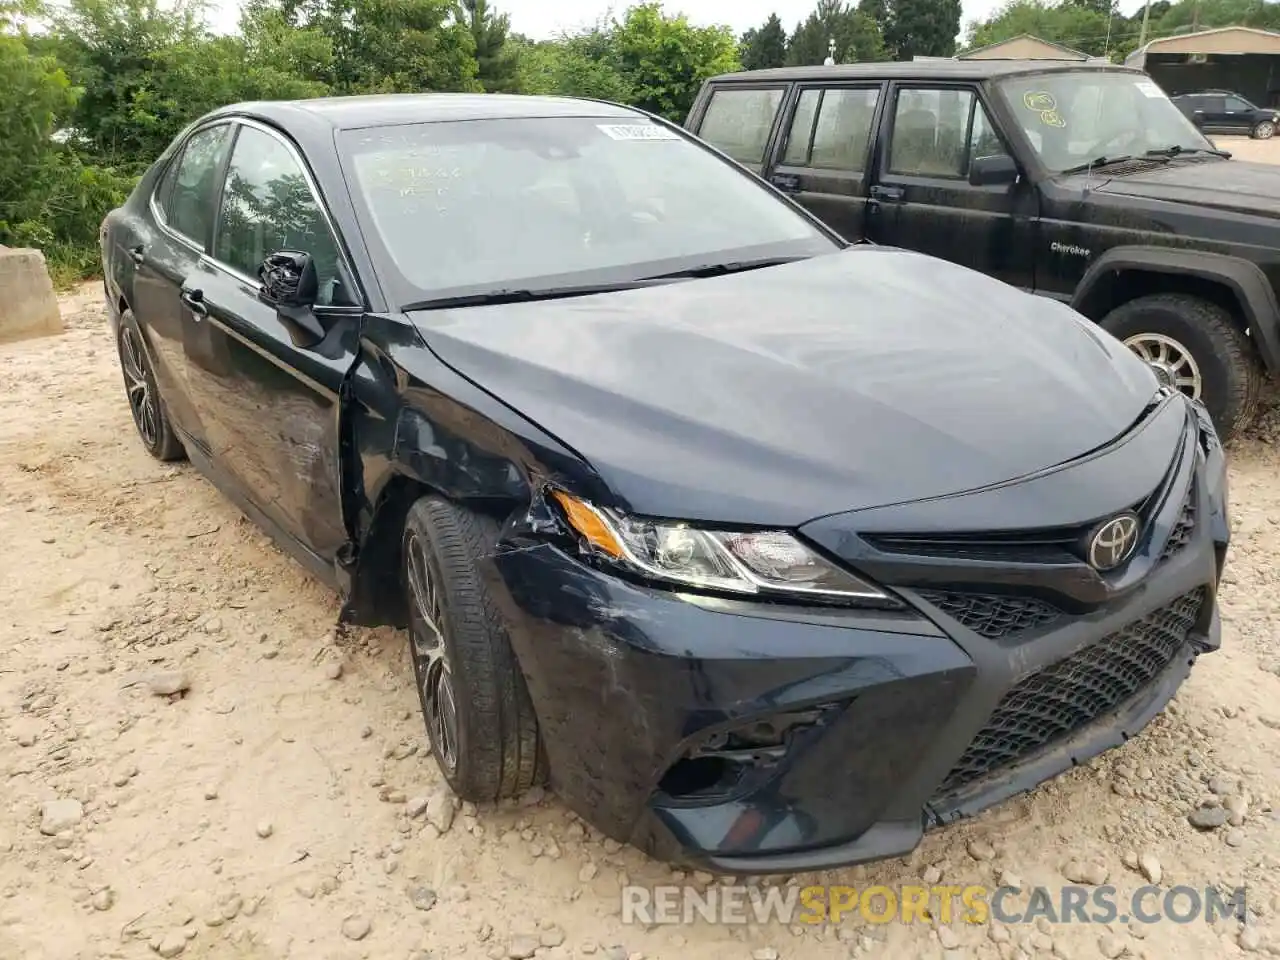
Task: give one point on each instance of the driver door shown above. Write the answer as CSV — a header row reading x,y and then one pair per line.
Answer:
x,y
267,389
921,198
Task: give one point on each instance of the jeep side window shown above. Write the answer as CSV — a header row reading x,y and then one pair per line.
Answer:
x,y
1213,105
839,138
1235,103
983,139
739,122
931,133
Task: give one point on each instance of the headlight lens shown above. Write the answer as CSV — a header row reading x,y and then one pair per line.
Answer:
x,y
766,562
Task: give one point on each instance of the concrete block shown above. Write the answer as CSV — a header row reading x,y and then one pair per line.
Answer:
x,y
28,305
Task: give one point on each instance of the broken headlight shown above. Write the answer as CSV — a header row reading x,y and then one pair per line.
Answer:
x,y
770,562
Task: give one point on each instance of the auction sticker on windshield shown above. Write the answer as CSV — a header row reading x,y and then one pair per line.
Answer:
x,y
637,131
1149,89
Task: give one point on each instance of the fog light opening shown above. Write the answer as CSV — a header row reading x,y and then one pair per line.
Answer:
x,y
734,758
698,776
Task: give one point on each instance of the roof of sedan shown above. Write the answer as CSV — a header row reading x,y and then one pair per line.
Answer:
x,y
920,70
396,108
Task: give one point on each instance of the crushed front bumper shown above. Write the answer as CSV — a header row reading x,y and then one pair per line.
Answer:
x,y
756,738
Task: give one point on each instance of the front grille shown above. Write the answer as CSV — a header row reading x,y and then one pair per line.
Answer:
x,y
1068,695
997,618
1185,526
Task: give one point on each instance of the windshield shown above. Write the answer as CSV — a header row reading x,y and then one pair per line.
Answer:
x,y
1071,118
495,205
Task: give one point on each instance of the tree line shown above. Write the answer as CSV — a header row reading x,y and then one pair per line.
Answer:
x,y
95,89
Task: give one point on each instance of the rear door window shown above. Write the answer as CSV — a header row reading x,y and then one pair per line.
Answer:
x,y
831,128
739,121
191,183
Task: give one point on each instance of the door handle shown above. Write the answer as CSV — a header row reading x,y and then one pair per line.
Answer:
x,y
882,192
193,300
787,182
137,253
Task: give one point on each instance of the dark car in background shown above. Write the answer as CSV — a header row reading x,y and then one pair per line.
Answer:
x,y
768,550
1224,112
1081,183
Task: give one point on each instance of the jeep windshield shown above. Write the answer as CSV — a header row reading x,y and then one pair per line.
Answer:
x,y
497,210
1075,119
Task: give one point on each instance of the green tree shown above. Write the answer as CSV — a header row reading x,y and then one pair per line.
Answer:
x,y
562,69
766,46
1078,27
664,59
856,35
495,58
49,198
921,27
390,46
113,51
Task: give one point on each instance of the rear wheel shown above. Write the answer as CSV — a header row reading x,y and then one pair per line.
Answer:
x,y
1264,130
149,417
1194,346
477,709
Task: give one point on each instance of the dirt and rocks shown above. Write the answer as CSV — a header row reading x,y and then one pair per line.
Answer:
x,y
195,765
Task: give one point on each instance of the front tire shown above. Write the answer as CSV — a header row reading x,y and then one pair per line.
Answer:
x,y
149,416
1197,347
1264,130
479,717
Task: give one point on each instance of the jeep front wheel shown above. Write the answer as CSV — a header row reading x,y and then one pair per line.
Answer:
x,y
1264,131
1194,346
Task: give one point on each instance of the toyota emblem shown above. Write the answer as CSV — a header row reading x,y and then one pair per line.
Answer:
x,y
1113,542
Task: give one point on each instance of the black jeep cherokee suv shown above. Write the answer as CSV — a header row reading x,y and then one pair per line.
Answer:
x,y
1080,182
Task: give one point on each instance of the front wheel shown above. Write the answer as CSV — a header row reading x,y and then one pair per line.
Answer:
x,y
1264,131
1194,346
483,731
149,417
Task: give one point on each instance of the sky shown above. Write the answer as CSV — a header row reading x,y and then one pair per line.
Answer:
x,y
542,19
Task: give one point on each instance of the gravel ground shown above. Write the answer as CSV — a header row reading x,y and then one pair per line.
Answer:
x,y
194,764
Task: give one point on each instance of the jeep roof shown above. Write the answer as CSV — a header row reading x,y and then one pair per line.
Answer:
x,y
920,70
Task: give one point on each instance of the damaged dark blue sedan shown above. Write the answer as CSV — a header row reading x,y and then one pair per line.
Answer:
x,y
767,551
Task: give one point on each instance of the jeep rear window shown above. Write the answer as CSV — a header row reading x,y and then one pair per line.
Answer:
x,y
739,122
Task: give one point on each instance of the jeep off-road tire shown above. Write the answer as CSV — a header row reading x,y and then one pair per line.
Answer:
x,y
1263,131
1231,376
145,403
496,749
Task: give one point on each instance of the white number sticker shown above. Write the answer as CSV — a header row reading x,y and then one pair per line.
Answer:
x,y
1149,89
637,131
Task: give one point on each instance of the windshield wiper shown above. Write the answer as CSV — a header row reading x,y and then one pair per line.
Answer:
x,y
493,297
720,269
1176,150
1098,162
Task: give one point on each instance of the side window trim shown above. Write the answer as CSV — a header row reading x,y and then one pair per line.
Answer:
x,y
158,212
344,262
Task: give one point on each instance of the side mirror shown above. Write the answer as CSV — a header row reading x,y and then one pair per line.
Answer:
x,y
290,284
993,171
289,279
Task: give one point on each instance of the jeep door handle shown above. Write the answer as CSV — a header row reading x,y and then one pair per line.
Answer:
x,y
193,300
882,192
786,182
137,253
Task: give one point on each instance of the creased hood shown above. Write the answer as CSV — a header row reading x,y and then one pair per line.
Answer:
x,y
1220,184
859,379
